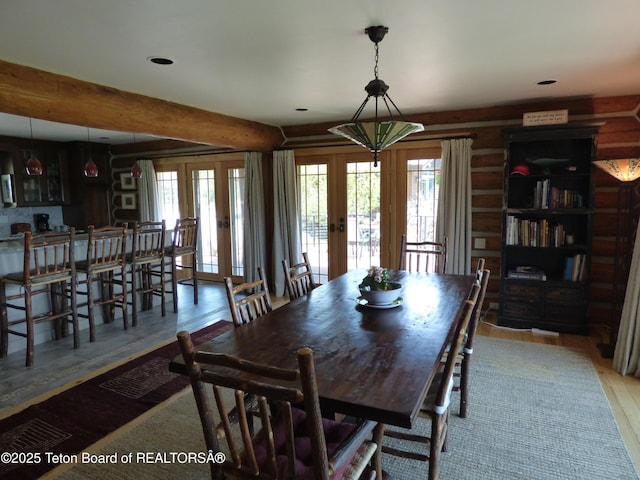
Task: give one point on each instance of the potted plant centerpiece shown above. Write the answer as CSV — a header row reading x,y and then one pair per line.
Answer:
x,y
377,288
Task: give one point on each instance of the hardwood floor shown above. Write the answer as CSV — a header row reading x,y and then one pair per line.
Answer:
x,y
57,364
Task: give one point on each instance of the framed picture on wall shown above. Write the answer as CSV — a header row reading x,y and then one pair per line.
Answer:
x,y
127,182
129,201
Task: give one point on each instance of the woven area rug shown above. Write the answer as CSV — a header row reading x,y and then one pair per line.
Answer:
x,y
76,418
536,412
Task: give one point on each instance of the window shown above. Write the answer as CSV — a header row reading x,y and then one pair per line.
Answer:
x,y
167,183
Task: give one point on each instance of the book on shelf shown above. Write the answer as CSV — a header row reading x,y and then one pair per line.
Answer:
x,y
574,268
526,273
534,233
546,196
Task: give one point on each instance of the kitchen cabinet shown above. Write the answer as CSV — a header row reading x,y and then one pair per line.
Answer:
x,y
50,188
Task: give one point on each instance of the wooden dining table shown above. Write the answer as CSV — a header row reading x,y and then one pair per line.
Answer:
x,y
374,363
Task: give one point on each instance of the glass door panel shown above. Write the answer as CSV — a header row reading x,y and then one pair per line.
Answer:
x,y
236,200
363,215
314,217
204,203
423,186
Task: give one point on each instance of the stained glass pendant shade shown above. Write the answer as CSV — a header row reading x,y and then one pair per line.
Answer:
x,y
378,134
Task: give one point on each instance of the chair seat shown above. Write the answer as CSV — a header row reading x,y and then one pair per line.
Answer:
x,y
83,267
18,278
178,250
335,433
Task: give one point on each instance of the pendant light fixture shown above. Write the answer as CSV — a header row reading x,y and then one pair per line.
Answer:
x,y
33,167
90,168
136,170
377,135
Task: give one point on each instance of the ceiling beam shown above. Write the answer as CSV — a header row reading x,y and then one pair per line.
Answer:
x,y
35,93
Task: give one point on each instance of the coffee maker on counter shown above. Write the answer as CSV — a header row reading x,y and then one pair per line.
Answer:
x,y
42,222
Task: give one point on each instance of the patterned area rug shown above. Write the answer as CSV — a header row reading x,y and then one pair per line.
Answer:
x,y
536,412
70,421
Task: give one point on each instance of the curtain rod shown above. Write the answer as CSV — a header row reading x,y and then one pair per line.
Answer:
x,y
423,139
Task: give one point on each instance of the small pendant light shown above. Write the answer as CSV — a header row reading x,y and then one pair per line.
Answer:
x,y
90,168
33,167
136,170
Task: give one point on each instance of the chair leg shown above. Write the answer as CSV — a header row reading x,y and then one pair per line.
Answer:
x,y
134,296
174,283
90,313
28,314
194,273
74,314
4,325
464,385
123,283
163,288
438,425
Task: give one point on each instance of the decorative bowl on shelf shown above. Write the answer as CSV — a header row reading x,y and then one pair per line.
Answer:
x,y
381,297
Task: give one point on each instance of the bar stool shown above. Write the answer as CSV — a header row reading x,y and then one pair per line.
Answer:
x,y
48,267
145,258
105,262
184,245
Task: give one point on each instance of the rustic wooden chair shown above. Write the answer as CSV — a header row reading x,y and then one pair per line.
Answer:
x,y
465,353
181,256
436,404
298,278
48,268
423,256
249,300
105,262
290,442
145,258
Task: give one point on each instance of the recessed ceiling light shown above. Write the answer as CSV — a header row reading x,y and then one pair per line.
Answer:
x,y
546,82
302,109
160,60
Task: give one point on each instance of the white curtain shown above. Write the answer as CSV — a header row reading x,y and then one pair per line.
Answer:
x,y
626,358
149,208
254,223
286,228
454,204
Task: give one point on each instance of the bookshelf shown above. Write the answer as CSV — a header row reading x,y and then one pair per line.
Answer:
x,y
547,227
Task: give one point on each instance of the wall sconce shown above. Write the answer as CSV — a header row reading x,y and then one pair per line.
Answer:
x,y
90,168
33,167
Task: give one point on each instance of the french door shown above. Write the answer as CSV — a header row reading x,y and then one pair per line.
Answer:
x,y
211,188
341,200
353,214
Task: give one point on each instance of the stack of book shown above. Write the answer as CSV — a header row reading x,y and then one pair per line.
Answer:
x,y
574,268
526,273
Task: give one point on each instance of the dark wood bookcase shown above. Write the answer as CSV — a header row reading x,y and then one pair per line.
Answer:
x,y
547,227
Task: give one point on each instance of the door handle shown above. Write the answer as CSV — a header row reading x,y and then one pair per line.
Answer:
x,y
224,224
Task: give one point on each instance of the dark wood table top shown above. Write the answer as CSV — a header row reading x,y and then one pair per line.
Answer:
x,y
370,363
